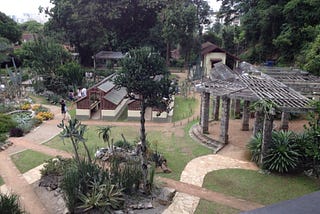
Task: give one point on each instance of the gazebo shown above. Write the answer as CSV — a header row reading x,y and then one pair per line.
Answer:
x,y
247,83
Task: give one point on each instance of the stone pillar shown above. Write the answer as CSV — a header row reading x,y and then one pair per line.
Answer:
x,y
216,108
237,110
258,123
285,121
266,136
204,118
245,116
224,126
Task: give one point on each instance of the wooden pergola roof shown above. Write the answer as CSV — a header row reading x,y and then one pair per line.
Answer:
x,y
256,86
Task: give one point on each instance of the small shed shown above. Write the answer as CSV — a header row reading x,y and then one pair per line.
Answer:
x,y
105,101
212,54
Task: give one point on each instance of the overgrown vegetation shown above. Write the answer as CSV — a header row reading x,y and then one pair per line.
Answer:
x,y
9,203
291,152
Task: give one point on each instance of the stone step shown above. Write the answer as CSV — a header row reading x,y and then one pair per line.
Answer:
x,y
196,134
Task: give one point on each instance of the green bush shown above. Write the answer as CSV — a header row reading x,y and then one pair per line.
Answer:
x,y
123,144
254,147
56,166
3,137
6,108
125,174
284,153
87,186
10,204
6,123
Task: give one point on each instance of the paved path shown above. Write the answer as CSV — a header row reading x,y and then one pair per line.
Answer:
x,y
194,173
191,177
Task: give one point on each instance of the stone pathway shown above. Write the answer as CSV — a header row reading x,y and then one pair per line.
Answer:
x,y
194,174
184,202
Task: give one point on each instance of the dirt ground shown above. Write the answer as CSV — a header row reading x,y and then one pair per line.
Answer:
x,y
238,139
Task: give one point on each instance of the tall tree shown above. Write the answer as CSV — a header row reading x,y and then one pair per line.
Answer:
x,y
9,29
146,79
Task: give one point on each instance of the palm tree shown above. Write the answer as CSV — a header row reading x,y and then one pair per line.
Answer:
x,y
75,131
105,132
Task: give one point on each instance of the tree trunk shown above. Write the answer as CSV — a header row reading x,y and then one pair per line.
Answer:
x,y
267,136
144,160
168,54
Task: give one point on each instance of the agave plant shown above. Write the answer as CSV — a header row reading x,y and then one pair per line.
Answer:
x,y
283,155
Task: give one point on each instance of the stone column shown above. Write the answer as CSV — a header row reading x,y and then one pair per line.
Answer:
x,y
237,110
266,136
224,126
285,121
258,123
204,118
216,108
245,116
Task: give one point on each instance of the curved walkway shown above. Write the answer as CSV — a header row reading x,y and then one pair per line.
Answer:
x,y
192,176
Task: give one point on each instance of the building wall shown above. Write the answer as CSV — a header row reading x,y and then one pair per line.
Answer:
x,y
83,114
207,60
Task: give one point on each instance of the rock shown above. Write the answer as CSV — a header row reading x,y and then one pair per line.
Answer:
x,y
166,195
148,205
118,212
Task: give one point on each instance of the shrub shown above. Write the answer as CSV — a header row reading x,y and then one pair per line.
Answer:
x,y
26,127
16,132
10,204
6,123
254,147
56,166
3,137
125,174
70,187
44,116
123,144
283,155
36,121
39,108
25,106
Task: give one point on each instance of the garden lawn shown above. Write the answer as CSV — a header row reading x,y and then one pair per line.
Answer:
x,y
254,186
1,181
29,159
209,207
183,107
178,150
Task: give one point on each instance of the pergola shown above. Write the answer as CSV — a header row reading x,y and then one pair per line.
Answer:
x,y
247,84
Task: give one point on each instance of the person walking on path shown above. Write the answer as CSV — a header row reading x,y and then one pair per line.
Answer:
x,y
63,109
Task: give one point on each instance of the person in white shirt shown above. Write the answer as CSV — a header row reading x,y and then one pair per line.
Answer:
x,y
83,92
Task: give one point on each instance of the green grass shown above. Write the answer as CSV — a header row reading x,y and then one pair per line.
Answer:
x,y
1,181
167,143
29,159
183,107
209,207
253,186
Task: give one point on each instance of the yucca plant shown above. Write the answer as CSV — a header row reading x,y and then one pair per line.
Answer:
x,y
9,204
254,147
283,155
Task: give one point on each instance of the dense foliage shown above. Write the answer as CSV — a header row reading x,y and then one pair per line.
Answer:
x,y
289,151
284,31
10,204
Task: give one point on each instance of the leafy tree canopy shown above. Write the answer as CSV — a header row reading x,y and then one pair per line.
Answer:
x,y
32,27
9,29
